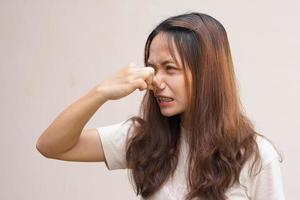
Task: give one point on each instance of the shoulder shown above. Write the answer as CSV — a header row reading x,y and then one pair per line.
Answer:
x,y
268,155
267,150
113,138
267,180
267,183
116,129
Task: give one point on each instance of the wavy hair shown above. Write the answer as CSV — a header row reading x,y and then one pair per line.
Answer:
x,y
220,137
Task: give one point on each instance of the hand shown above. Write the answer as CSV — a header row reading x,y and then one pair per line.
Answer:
x,y
127,80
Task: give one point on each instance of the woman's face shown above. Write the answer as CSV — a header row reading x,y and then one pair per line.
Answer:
x,y
169,76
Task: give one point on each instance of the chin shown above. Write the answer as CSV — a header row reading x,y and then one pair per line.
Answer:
x,y
167,113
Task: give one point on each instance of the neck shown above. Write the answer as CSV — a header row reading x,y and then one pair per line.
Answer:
x,y
183,121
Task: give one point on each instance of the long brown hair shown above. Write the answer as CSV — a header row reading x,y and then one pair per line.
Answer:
x,y
220,137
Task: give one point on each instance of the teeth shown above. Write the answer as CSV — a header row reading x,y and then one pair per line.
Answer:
x,y
165,99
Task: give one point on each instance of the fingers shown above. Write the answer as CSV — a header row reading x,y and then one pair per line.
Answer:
x,y
147,73
140,84
152,81
147,76
141,72
143,84
150,73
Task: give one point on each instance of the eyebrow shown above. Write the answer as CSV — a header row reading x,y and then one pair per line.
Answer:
x,y
162,63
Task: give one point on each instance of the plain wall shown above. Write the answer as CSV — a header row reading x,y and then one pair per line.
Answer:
x,y
53,52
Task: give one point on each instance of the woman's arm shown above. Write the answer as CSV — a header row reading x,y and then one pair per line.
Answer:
x,y
63,139
64,132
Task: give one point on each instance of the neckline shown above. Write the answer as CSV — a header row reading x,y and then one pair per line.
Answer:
x,y
182,128
183,132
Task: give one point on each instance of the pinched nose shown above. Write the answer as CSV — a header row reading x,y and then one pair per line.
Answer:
x,y
157,84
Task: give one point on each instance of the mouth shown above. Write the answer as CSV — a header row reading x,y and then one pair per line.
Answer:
x,y
163,99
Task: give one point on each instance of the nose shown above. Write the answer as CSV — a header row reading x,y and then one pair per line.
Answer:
x,y
157,83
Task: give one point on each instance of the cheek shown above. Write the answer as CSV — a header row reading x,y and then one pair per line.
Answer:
x,y
177,86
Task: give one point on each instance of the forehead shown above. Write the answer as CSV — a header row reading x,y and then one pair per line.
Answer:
x,y
161,48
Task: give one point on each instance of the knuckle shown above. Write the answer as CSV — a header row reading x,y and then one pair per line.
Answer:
x,y
130,69
152,70
141,80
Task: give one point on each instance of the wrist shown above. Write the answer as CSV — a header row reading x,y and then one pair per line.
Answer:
x,y
100,93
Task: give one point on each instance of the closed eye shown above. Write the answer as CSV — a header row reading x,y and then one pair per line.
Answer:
x,y
170,67
167,67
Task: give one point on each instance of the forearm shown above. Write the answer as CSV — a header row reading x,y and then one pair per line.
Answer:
x,y
64,131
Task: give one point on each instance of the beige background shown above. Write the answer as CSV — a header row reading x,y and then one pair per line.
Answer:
x,y
53,52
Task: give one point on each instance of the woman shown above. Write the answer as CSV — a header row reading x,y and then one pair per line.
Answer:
x,y
191,139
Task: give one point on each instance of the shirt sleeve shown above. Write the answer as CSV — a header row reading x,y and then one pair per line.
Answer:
x,y
267,184
113,138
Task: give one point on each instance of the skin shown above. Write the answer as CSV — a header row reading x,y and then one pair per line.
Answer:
x,y
163,75
169,76
60,138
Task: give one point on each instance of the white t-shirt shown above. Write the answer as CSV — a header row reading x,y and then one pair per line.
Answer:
x,y
267,185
